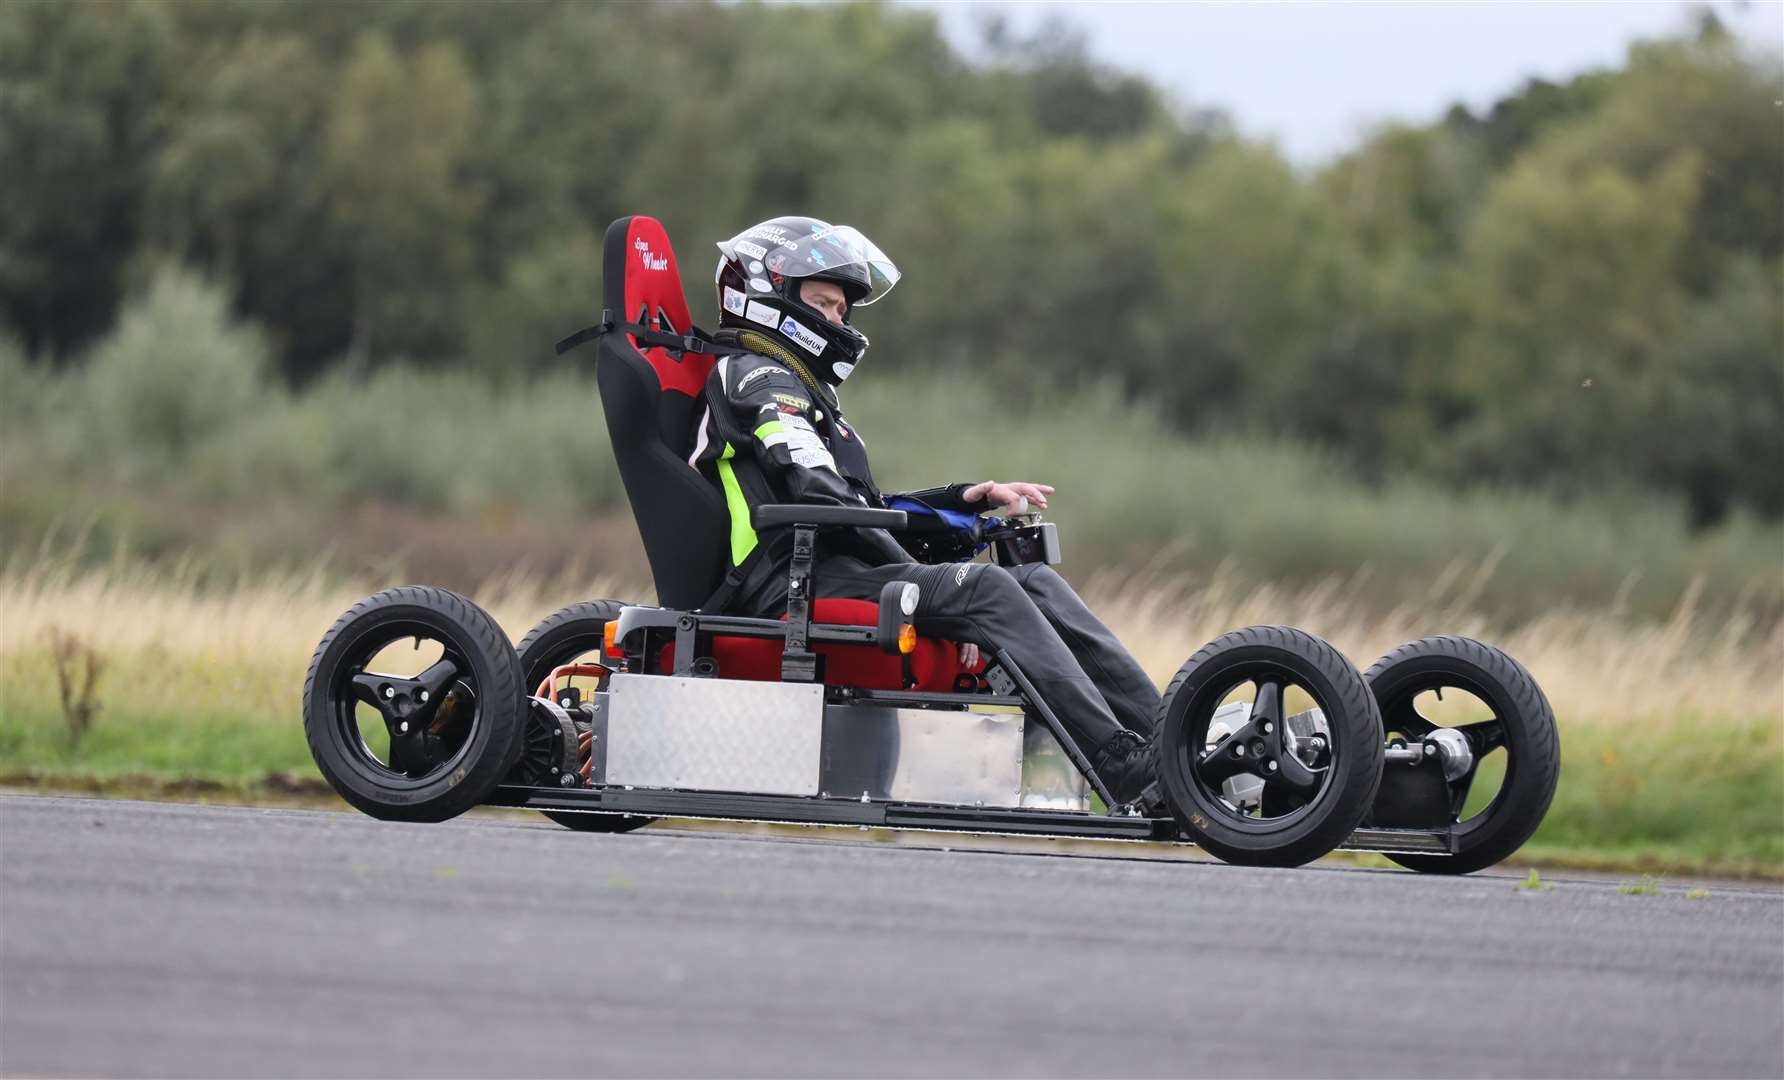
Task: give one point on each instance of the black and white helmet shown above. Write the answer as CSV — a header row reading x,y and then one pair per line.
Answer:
x,y
759,274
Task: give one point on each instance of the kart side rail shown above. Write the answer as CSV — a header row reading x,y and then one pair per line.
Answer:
x,y
800,810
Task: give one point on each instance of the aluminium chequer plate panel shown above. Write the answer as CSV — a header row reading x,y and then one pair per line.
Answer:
x,y
714,734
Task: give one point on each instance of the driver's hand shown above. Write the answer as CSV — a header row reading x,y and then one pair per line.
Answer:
x,y
969,654
1008,496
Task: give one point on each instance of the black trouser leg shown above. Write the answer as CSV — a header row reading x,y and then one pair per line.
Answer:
x,y
984,604
1124,684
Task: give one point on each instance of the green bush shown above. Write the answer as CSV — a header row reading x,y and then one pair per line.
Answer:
x,y
176,372
1131,489
1272,509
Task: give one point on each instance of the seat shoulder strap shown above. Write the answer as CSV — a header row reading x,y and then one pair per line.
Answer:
x,y
696,341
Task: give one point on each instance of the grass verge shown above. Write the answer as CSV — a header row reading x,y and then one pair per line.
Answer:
x,y
1672,740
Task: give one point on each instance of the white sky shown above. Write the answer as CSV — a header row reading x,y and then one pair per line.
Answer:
x,y
1316,76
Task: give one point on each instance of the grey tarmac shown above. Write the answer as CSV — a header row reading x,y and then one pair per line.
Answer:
x,y
166,940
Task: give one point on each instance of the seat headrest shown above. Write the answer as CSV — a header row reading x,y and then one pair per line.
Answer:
x,y
641,284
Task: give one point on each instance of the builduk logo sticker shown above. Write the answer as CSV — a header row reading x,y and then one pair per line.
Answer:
x,y
807,340
651,262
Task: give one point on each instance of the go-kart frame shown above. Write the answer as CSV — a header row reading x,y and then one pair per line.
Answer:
x,y
1307,801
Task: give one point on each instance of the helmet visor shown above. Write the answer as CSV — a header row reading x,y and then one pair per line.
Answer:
x,y
830,250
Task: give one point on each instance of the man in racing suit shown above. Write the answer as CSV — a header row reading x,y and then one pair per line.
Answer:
x,y
773,432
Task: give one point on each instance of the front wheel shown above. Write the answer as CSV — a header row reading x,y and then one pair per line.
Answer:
x,y
1507,757
1269,747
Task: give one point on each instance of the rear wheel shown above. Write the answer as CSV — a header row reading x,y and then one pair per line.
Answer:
x,y
1501,789
607,823
1269,747
566,636
412,705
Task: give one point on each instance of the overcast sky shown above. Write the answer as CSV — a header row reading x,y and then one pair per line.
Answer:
x,y
1316,76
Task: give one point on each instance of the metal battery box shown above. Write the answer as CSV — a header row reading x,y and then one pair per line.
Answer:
x,y
778,738
668,731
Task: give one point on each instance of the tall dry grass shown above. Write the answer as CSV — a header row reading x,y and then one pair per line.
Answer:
x,y
258,632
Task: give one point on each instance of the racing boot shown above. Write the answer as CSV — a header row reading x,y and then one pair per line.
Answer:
x,y
1128,765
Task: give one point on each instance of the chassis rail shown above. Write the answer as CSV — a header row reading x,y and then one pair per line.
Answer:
x,y
793,810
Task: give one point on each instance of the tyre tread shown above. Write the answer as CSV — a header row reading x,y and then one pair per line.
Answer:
x,y
1539,753
487,636
1352,698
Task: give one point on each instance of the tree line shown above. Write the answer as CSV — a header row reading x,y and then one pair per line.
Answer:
x,y
1575,289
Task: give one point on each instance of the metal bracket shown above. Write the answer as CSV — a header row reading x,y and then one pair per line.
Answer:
x,y
798,662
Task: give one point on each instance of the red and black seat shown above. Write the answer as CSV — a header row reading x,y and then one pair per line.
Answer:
x,y
651,396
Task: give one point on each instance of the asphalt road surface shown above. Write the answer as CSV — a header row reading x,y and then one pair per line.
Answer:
x,y
159,940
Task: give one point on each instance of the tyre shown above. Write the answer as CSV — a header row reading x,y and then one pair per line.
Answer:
x,y
1282,778
1511,736
607,823
421,732
561,638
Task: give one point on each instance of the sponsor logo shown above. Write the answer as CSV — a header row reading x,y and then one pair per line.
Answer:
x,y
842,368
758,312
960,574
760,284
814,457
774,234
796,402
807,339
755,266
651,262
734,302
754,251
755,376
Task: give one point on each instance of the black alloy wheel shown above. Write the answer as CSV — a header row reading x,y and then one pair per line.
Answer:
x,y
565,636
1513,743
1293,777
412,705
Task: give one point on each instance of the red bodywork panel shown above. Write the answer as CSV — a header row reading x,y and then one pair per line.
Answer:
x,y
935,664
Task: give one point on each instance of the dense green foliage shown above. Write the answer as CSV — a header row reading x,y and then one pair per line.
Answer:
x,y
176,440
1579,290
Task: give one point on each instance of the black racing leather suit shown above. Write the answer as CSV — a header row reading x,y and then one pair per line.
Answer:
x,y
773,434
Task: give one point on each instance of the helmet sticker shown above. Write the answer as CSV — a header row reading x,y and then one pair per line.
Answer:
x,y
807,339
758,312
842,369
759,284
734,301
755,266
754,251
774,234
